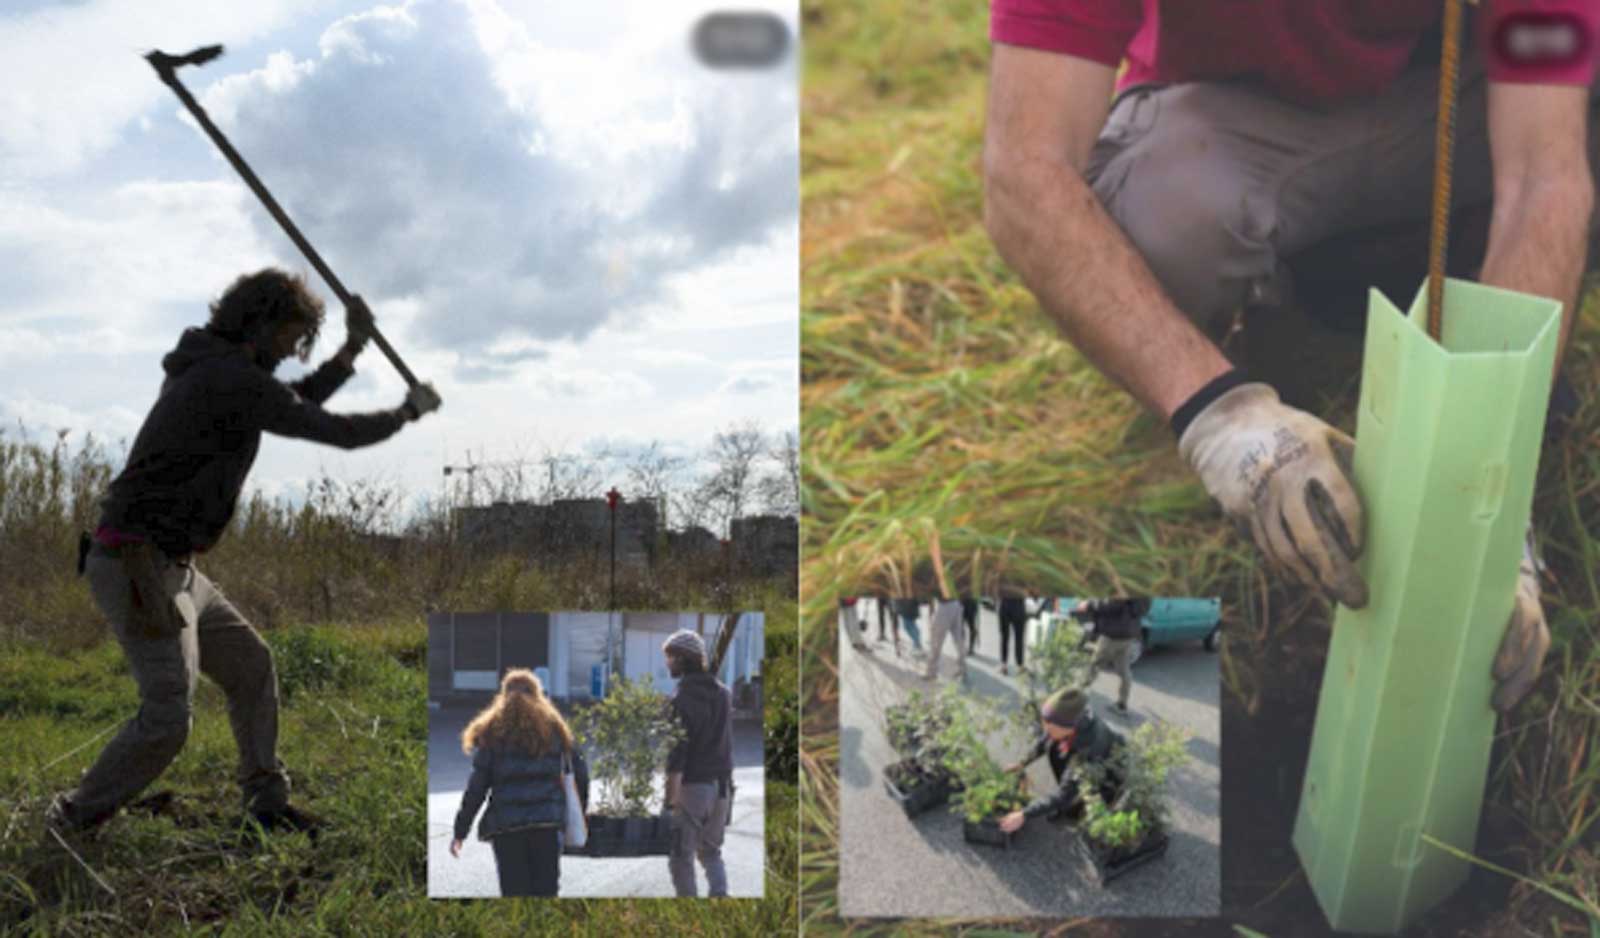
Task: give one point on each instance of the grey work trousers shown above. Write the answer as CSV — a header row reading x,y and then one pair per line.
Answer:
x,y
1114,654
1215,183
946,620
215,640
700,818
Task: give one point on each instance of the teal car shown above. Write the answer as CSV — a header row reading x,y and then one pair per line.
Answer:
x,y
1170,621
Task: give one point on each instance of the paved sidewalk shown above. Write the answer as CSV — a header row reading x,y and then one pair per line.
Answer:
x,y
473,874
922,868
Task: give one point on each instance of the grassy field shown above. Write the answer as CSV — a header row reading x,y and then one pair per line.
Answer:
x,y
936,397
343,615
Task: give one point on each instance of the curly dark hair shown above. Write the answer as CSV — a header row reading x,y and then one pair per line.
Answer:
x,y
267,298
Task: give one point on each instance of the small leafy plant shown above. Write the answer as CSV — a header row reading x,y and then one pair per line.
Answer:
x,y
914,725
992,797
1111,828
986,788
627,736
1061,660
1142,765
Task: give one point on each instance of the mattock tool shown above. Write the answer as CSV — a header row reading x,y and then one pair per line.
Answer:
x,y
166,67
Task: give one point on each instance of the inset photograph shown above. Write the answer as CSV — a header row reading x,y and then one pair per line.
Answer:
x,y
1036,755
595,754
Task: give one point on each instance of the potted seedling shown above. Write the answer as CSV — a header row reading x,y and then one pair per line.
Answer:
x,y
1132,830
983,803
627,736
985,791
919,781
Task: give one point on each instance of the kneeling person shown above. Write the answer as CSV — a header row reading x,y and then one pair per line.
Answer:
x,y
1072,736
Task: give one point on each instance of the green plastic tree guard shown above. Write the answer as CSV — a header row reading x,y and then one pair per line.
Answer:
x,y
1447,446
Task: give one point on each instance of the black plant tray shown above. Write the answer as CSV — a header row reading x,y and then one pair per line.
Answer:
x,y
987,832
926,792
626,837
1115,862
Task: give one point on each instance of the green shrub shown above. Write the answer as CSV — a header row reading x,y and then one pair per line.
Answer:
x,y
627,736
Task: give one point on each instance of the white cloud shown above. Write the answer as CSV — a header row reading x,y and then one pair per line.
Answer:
x,y
74,77
402,154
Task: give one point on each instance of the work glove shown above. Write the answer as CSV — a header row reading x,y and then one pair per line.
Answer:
x,y
358,325
1527,638
1284,475
421,399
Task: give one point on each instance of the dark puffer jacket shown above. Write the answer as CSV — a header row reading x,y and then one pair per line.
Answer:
x,y
1117,618
523,791
1094,742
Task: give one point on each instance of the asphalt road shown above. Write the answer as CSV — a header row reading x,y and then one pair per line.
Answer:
x,y
473,874
922,868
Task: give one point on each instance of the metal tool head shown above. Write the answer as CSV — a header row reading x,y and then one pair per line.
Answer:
x,y
167,65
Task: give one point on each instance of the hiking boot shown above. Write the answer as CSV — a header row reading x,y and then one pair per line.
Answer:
x,y
63,817
288,818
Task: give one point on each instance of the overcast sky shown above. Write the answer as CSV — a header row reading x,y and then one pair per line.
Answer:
x,y
561,219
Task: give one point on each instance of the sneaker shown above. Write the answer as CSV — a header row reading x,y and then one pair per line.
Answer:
x,y
1120,707
1004,670
288,818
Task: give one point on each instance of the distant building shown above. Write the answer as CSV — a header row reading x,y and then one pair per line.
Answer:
x,y
691,541
564,528
766,545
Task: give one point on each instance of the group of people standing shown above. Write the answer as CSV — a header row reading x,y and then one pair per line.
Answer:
x,y
522,750
1115,622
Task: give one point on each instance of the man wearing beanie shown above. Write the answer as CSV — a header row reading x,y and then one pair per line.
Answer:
x,y
700,767
1072,735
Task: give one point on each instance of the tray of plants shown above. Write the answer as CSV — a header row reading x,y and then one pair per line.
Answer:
x,y
916,788
627,736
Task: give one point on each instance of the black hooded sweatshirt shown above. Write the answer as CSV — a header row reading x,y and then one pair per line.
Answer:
x,y
189,461
705,708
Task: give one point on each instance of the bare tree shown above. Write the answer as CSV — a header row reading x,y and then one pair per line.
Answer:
x,y
735,453
780,484
570,475
653,473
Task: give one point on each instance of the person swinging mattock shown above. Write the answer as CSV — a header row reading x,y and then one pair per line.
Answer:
x,y
173,500
1240,135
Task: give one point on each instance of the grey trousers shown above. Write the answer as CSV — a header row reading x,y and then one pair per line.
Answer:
x,y
215,640
1113,654
946,620
1215,183
701,817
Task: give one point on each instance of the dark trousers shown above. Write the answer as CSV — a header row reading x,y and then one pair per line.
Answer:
x,y
528,861
969,615
1013,624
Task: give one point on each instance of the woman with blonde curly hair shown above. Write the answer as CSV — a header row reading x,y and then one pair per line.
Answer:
x,y
518,745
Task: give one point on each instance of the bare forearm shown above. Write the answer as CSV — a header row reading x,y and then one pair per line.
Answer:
x,y
1538,241
1050,227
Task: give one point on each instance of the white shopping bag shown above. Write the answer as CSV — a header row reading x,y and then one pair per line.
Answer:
x,y
577,830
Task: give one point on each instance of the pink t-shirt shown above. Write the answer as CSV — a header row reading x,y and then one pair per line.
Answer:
x,y
1313,52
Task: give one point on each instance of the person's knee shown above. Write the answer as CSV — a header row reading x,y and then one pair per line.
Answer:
x,y
166,722
1186,210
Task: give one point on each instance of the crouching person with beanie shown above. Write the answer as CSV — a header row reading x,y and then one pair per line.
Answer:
x,y
699,768
1072,736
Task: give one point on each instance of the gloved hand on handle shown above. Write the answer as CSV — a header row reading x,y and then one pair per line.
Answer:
x,y
422,399
358,330
1527,637
1285,475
